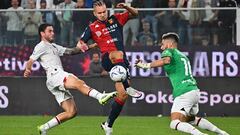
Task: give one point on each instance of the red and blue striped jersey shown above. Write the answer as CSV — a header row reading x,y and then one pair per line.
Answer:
x,y
107,34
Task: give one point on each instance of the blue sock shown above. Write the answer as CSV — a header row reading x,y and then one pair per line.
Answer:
x,y
117,106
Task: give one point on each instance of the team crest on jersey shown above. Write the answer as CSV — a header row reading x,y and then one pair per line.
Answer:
x,y
110,21
96,26
98,33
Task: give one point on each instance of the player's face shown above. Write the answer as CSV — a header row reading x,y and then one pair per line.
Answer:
x,y
48,34
166,43
100,12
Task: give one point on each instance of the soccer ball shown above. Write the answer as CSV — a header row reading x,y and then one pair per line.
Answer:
x,y
118,73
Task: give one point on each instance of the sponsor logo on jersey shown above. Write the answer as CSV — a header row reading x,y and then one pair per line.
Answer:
x,y
98,33
110,21
96,26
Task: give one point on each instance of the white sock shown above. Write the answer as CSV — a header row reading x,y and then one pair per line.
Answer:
x,y
184,127
95,94
205,124
51,123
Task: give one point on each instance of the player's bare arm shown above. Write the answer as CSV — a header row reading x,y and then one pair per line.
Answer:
x,y
84,47
132,11
28,68
156,63
72,51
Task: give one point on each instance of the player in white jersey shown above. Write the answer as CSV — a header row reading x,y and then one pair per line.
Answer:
x,y
59,81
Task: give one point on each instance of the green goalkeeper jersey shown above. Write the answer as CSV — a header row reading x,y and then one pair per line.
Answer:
x,y
179,72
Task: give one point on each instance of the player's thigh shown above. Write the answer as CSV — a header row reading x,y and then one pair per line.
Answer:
x,y
178,116
73,82
186,104
106,62
61,94
69,105
114,55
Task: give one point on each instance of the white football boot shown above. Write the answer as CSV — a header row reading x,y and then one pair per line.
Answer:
x,y
133,92
108,130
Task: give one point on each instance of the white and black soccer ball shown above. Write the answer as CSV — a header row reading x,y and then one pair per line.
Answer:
x,y
118,73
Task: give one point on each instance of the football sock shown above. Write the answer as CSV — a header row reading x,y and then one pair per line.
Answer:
x,y
51,123
125,84
205,124
184,127
117,106
95,94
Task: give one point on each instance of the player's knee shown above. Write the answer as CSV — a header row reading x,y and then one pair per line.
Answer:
x,y
195,121
116,55
72,113
174,124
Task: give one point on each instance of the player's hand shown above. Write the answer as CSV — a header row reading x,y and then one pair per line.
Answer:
x,y
92,45
82,46
27,72
121,5
140,64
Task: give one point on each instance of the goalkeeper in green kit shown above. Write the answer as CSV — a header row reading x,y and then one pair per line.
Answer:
x,y
185,91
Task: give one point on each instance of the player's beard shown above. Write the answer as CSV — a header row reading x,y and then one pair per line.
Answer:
x,y
51,40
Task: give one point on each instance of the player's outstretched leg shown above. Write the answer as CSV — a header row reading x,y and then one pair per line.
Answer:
x,y
72,82
185,127
205,124
106,96
50,124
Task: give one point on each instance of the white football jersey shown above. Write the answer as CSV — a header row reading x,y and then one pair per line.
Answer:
x,y
48,54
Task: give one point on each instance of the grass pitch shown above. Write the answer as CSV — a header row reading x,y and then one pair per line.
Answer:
x,y
90,125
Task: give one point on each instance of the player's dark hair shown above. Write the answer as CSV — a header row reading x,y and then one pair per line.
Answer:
x,y
171,35
98,3
42,28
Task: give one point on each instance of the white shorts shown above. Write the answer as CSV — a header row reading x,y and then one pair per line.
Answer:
x,y
55,84
187,104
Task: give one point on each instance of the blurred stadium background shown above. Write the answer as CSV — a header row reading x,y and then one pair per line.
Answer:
x,y
210,33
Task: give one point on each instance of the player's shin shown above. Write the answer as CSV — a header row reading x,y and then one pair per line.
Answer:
x,y
50,124
205,124
185,127
117,106
102,98
94,93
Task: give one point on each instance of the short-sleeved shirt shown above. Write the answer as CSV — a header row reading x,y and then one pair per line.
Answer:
x,y
179,72
48,55
107,34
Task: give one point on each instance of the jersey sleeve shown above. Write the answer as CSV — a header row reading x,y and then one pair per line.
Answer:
x,y
122,17
167,53
60,49
86,35
37,52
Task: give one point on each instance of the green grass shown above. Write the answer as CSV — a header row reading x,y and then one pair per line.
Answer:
x,y
90,125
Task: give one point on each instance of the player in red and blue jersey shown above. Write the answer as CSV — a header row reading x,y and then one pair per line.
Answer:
x,y
108,36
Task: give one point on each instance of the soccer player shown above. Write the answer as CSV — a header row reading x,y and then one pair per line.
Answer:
x,y
107,32
59,81
185,91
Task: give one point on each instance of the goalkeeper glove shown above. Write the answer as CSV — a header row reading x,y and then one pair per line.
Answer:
x,y
140,64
